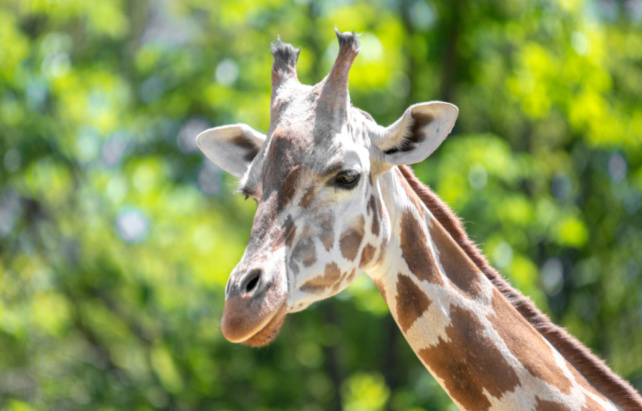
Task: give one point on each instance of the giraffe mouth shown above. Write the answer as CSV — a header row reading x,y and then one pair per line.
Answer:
x,y
270,331
254,315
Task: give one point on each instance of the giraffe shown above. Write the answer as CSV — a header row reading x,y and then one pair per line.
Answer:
x,y
336,197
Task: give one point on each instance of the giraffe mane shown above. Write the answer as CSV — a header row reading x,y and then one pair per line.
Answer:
x,y
588,364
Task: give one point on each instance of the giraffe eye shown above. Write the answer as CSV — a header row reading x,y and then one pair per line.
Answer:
x,y
347,179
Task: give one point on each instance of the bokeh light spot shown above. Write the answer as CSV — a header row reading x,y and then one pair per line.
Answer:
x,y
227,72
617,167
132,225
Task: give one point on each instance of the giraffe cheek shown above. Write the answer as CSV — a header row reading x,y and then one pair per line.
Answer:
x,y
305,252
351,239
317,285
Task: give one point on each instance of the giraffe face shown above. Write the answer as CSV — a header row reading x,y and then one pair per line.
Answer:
x,y
318,179
320,220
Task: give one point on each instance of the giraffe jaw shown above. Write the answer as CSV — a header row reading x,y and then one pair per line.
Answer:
x,y
261,334
269,332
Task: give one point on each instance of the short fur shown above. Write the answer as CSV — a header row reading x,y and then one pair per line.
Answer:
x,y
593,369
348,39
285,59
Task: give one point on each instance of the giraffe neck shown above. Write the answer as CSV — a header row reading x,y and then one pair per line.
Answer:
x,y
465,332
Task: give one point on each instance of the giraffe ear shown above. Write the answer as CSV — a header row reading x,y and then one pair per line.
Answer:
x,y
418,133
231,147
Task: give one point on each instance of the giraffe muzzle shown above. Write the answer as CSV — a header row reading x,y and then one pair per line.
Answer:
x,y
254,307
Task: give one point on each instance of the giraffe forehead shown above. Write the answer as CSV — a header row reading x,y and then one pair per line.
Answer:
x,y
304,133
297,101
297,109
289,149
285,151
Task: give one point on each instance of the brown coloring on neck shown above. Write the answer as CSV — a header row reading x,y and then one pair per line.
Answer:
x,y
588,365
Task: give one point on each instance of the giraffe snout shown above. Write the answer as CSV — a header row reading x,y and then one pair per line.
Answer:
x,y
254,306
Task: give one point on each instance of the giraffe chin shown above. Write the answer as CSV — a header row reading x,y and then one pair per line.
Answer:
x,y
268,333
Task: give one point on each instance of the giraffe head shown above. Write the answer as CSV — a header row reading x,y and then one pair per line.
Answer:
x,y
321,219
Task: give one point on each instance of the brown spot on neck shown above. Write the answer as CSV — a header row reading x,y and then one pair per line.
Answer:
x,y
591,405
542,405
382,289
459,269
411,302
594,370
351,238
350,277
526,344
366,255
415,251
412,195
581,380
382,251
469,362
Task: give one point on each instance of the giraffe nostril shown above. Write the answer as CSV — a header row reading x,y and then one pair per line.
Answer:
x,y
252,280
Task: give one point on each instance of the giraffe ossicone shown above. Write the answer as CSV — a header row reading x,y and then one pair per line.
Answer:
x,y
336,198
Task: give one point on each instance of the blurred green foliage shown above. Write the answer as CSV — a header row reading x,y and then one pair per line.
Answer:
x,y
117,237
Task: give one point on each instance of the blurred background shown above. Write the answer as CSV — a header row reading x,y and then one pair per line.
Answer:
x,y
117,236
